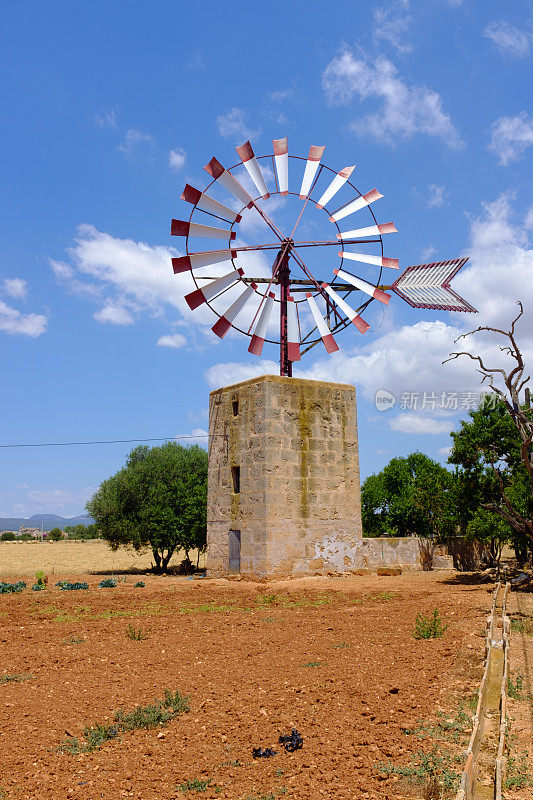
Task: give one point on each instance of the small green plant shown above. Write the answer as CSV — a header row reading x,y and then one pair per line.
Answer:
x,y
516,690
16,677
342,646
72,640
522,626
139,585
12,588
429,627
40,578
137,635
151,716
426,768
517,774
65,586
314,664
195,785
107,583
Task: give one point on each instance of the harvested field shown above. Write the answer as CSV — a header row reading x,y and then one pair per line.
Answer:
x,y
76,557
334,658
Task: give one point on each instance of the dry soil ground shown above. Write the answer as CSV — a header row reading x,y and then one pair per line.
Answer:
x,y
76,557
334,658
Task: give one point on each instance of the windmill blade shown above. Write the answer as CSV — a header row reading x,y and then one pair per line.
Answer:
x,y
197,198
377,261
293,335
204,259
226,179
281,159
368,288
311,166
327,337
247,156
355,205
428,286
352,315
181,228
372,230
224,323
337,183
199,296
261,328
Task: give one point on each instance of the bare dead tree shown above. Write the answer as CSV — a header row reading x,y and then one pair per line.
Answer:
x,y
514,382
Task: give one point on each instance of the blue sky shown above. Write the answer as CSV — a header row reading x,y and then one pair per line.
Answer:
x,y
109,108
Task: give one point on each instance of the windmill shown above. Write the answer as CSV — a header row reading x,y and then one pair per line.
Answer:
x,y
311,304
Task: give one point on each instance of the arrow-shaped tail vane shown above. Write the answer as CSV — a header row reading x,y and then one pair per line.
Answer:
x,y
428,286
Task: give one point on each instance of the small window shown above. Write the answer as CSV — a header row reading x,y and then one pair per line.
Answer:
x,y
236,478
235,406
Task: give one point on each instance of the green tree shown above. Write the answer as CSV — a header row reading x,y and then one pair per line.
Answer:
x,y
412,495
157,500
8,536
55,535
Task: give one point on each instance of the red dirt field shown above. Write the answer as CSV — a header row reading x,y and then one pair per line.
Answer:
x,y
333,657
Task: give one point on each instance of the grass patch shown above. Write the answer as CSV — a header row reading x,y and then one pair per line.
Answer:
x,y
522,626
429,627
454,727
516,690
427,768
342,646
315,664
72,640
517,773
151,716
16,677
196,785
137,634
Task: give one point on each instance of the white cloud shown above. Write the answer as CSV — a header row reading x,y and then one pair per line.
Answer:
x,y
281,95
196,62
509,40
392,23
420,424
196,436
13,321
225,374
528,222
115,314
106,119
233,125
437,196
58,501
15,287
137,144
510,137
427,254
405,111
445,451
177,158
174,340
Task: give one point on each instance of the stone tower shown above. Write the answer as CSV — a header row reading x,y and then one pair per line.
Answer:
x,y
284,495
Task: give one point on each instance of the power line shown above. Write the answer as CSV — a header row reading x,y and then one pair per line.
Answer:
x,y
109,441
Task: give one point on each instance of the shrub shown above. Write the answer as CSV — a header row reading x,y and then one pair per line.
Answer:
x,y
8,588
55,535
429,627
139,585
66,586
8,536
108,583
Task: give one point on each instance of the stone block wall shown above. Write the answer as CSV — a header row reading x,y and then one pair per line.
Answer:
x,y
292,446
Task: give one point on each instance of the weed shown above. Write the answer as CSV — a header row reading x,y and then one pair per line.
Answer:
x,y
38,587
517,774
137,635
195,785
65,586
17,677
453,727
522,626
315,664
426,768
279,773
429,627
342,646
267,599
40,578
12,588
236,763
151,716
515,690
72,640
139,585
269,796
107,583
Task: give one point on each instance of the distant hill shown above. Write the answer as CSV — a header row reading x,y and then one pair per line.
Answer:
x,y
48,521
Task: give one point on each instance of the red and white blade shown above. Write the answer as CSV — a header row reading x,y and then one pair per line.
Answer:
x,y
197,198
327,337
311,166
182,228
293,334
281,160
364,258
352,315
371,230
224,323
367,288
208,292
337,183
261,327
355,205
253,169
226,179
204,259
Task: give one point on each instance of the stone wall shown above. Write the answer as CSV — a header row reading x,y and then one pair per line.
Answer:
x,y
298,508
408,552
